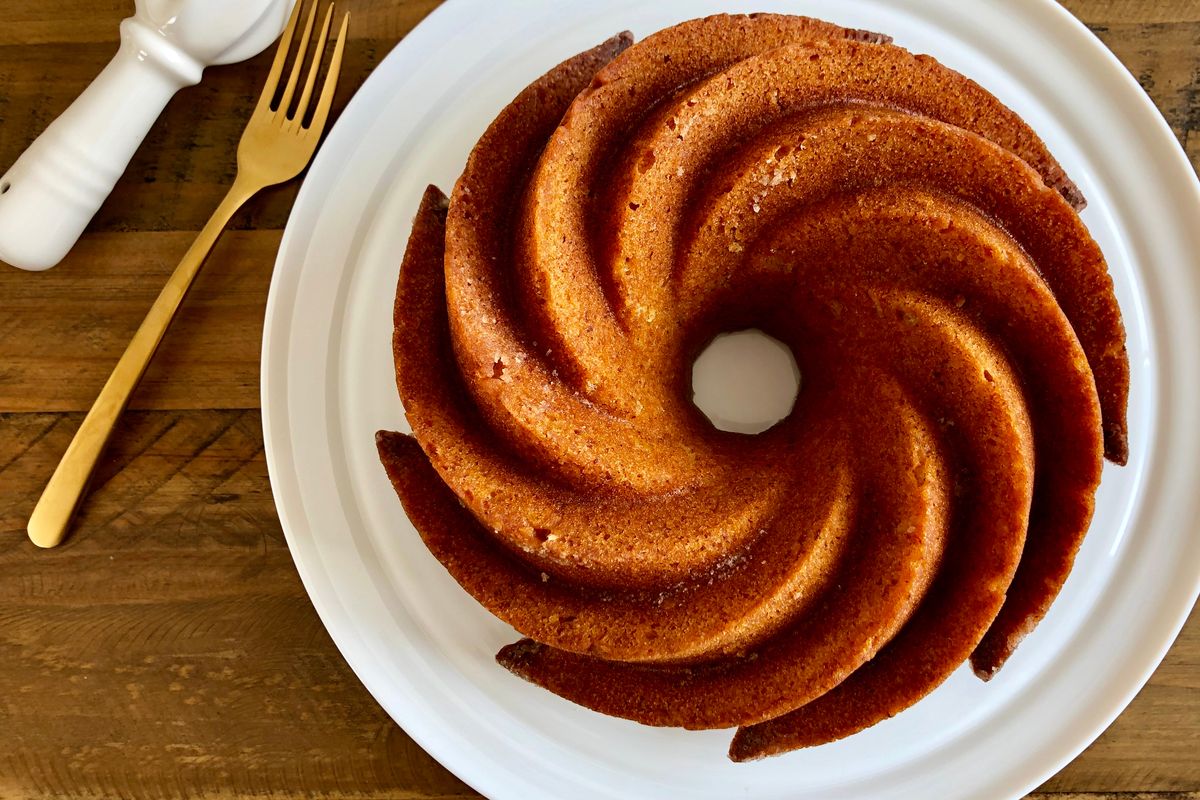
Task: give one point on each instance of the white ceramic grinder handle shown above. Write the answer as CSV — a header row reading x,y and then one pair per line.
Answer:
x,y
55,188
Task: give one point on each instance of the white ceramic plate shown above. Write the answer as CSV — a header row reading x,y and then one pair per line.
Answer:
x,y
425,649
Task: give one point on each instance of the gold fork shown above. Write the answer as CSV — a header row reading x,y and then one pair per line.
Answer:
x,y
275,147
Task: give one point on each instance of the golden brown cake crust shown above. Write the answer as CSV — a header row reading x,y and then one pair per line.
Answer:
x,y
913,243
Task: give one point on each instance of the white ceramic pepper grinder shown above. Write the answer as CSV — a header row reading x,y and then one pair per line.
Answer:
x,y
55,188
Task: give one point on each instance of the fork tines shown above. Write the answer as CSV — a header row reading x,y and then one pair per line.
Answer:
x,y
280,104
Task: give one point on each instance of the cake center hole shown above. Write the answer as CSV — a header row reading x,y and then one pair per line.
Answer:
x,y
745,381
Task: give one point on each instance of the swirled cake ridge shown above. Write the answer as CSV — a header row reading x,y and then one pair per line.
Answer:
x,y
903,232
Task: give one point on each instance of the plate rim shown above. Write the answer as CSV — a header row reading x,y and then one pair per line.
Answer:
x,y
340,146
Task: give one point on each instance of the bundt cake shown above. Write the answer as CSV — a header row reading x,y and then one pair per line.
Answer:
x,y
918,249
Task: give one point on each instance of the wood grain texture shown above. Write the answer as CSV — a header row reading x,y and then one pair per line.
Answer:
x,y
168,649
1139,12
63,330
1114,796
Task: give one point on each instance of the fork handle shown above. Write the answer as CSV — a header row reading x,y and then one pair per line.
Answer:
x,y
52,514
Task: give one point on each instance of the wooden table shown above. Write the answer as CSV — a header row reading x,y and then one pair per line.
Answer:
x,y
168,649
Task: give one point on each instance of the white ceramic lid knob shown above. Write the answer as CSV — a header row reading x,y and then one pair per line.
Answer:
x,y
48,196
